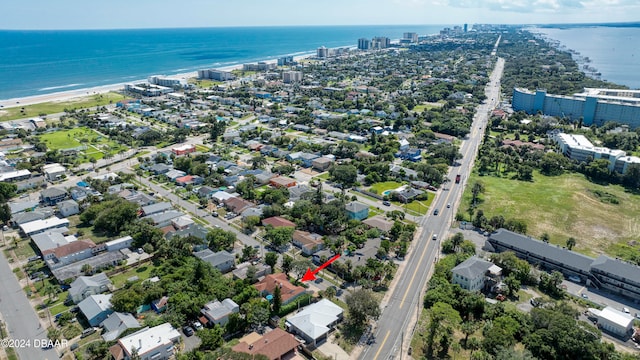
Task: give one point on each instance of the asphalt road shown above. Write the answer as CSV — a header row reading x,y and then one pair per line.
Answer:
x,y
20,318
393,327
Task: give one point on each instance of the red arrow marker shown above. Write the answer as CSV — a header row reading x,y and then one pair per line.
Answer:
x,y
311,275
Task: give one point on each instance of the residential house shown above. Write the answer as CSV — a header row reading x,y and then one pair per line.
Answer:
x,y
402,172
254,211
307,159
164,218
309,243
39,226
156,208
408,194
182,222
274,345
217,313
160,305
69,253
221,260
97,262
68,208
120,243
25,217
17,207
277,221
174,174
206,192
160,168
296,192
51,239
315,321
53,172
96,308
357,210
85,286
221,196
288,291
472,273
237,205
116,324
322,163
183,149
240,272
156,343
189,180
52,195
282,182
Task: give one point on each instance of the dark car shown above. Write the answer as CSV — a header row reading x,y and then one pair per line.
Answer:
x,y
187,330
386,203
436,211
319,280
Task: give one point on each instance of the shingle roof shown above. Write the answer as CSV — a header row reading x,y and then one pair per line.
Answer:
x,y
83,282
215,259
277,221
273,345
287,290
472,267
155,208
94,305
550,252
217,310
617,267
71,248
116,324
355,207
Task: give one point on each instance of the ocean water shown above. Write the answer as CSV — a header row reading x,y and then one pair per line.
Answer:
x,y
613,51
42,62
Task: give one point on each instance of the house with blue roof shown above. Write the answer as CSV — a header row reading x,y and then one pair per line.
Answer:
x,y
357,210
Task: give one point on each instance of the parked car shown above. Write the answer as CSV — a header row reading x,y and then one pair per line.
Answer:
x,y
87,332
575,279
215,214
584,296
626,310
386,203
187,330
197,325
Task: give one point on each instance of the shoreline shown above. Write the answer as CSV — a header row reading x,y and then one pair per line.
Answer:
x,y
67,95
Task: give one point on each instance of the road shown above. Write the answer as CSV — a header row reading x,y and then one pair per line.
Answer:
x,y
394,326
20,318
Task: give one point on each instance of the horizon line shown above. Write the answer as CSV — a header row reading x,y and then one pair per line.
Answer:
x,y
316,25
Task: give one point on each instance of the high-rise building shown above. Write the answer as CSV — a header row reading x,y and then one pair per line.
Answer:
x,y
364,44
322,52
214,74
411,37
286,60
289,77
380,42
465,27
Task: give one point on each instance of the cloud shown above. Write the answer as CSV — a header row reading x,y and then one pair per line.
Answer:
x,y
537,6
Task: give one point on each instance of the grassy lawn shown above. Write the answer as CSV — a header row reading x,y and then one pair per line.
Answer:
x,y
381,187
565,206
24,250
416,207
323,176
203,84
143,272
202,148
426,106
59,106
97,145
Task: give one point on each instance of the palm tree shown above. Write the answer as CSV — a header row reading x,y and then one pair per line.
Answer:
x,y
545,237
571,242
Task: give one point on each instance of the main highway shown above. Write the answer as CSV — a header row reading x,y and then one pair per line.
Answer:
x,y
394,327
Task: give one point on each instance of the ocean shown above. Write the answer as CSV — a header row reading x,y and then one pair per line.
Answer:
x,y
613,51
43,62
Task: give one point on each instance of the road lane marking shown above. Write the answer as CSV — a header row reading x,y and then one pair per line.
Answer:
x,y
382,344
415,271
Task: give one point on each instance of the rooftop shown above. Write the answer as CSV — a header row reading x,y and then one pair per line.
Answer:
x,y
273,345
149,339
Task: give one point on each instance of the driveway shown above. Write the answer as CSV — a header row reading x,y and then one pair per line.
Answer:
x,y
21,320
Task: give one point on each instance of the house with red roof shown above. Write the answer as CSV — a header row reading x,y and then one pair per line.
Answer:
x,y
277,221
288,291
275,345
69,253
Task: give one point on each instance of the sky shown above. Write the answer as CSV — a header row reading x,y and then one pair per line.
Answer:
x,y
113,14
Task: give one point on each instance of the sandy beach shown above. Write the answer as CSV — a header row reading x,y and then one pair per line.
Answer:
x,y
70,94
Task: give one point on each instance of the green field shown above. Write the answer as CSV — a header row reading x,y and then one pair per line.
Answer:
x,y
53,107
97,145
203,84
415,207
565,206
381,187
